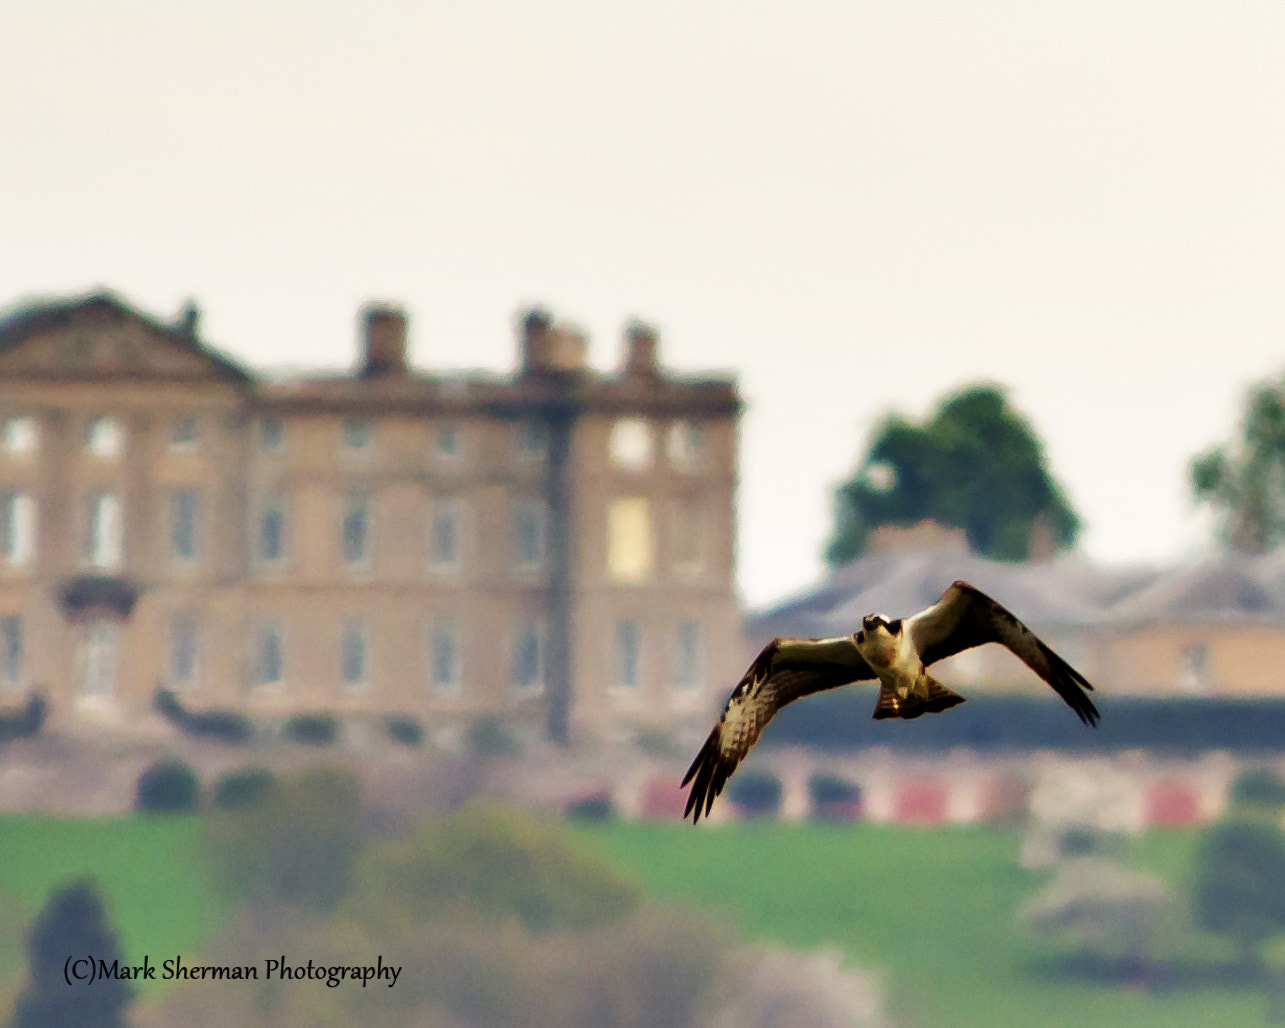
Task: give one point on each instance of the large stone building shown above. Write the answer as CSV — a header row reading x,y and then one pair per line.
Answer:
x,y
556,544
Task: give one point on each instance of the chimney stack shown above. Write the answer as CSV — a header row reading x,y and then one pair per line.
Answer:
x,y
547,348
383,341
640,349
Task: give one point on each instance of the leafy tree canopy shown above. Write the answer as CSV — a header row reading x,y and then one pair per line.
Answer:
x,y
974,464
1239,869
1245,483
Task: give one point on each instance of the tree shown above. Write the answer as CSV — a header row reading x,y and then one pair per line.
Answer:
x,y
975,464
1245,483
1240,884
72,922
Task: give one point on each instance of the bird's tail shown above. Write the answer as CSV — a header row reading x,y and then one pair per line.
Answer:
x,y
938,698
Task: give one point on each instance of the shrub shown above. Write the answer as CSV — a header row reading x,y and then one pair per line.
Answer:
x,y
169,706
245,787
489,736
596,807
167,785
1259,787
825,789
405,730
312,729
758,794
222,725
26,722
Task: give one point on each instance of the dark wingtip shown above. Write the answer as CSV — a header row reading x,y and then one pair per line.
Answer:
x,y
704,787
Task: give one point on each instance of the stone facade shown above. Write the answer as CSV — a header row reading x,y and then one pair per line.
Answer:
x,y
557,544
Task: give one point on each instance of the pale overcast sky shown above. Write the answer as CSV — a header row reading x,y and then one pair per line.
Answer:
x,y
855,206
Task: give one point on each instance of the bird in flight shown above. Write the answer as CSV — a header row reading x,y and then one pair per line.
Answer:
x,y
896,652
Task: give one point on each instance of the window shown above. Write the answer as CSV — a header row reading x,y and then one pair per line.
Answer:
x,y
185,650
105,437
183,434
185,524
102,545
689,537
444,656
11,655
630,547
533,439
272,529
353,654
630,444
685,442
448,438
444,534
270,653
1194,676
356,530
627,647
18,436
528,658
17,527
689,656
529,533
272,435
356,434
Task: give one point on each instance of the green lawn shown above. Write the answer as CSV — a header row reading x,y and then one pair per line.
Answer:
x,y
159,893
932,910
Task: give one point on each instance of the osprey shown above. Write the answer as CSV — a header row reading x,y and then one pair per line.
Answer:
x,y
894,651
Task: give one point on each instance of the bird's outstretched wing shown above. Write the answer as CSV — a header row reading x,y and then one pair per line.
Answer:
x,y
965,617
786,670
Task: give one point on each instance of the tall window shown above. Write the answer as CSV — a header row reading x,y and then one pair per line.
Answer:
x,y
627,650
11,655
533,439
630,444
356,529
529,533
18,435
105,436
102,547
183,434
185,650
630,545
17,527
270,653
445,658
272,435
689,656
353,644
357,435
272,529
185,524
528,658
685,444
689,537
448,438
444,534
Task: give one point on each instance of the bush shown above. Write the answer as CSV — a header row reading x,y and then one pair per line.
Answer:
x,y
221,725
489,736
28,721
824,788
758,794
405,730
1259,787
312,729
168,786
169,706
245,787
597,807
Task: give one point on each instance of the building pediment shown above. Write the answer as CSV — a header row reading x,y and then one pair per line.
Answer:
x,y
102,337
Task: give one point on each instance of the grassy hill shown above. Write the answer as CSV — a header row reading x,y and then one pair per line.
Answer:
x,y
931,909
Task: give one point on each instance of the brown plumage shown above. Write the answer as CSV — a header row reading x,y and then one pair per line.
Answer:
x,y
896,653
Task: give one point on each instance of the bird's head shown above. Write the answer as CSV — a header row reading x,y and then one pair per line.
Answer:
x,y
880,624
